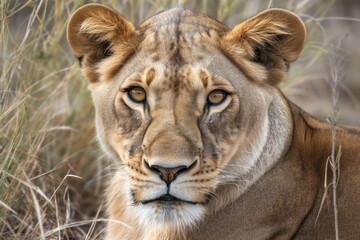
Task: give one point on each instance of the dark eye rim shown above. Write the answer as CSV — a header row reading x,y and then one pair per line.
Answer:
x,y
128,90
226,94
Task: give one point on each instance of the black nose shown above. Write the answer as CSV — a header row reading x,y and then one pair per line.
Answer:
x,y
169,174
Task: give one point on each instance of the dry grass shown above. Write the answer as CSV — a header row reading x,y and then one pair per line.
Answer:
x,y
52,174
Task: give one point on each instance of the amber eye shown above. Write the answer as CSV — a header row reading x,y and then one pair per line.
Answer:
x,y
137,94
216,97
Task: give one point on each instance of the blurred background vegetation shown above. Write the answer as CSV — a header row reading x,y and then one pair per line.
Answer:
x,y
52,173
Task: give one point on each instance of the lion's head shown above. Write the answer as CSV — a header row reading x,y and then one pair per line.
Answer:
x,y
182,102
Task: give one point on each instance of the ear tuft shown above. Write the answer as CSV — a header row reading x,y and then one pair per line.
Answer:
x,y
274,38
104,24
93,31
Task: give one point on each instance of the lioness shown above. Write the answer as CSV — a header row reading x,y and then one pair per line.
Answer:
x,y
207,146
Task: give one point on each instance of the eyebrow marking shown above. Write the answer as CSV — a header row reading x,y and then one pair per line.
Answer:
x,y
204,77
150,74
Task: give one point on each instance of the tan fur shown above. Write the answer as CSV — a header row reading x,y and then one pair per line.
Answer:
x,y
253,167
277,33
95,29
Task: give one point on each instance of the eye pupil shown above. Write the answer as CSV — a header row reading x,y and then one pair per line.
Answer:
x,y
216,97
137,94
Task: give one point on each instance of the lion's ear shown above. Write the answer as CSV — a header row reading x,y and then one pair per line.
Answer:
x,y
274,38
95,32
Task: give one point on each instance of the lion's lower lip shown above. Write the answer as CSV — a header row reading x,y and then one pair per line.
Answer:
x,y
167,198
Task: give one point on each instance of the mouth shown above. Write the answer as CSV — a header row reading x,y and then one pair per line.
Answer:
x,y
168,199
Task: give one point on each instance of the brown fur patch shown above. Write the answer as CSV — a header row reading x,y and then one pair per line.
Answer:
x,y
204,78
150,74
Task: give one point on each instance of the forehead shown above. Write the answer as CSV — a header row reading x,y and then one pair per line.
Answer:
x,y
180,36
178,44
160,76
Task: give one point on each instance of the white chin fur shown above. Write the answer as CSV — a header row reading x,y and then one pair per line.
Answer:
x,y
176,217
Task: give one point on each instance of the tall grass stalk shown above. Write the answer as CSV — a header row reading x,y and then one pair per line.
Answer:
x,y
336,61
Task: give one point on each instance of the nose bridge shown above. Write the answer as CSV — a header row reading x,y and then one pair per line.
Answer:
x,y
169,145
173,137
170,149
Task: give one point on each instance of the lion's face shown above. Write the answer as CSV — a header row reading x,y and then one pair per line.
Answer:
x,y
179,114
176,127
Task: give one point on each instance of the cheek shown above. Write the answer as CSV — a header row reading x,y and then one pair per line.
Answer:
x,y
129,129
226,125
220,134
217,142
119,144
128,146
128,120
